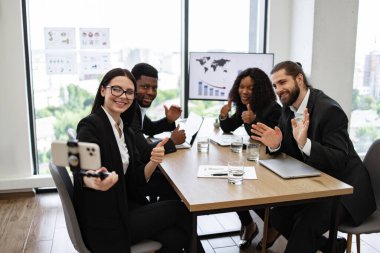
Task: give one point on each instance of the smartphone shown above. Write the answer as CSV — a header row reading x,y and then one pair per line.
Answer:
x,y
89,154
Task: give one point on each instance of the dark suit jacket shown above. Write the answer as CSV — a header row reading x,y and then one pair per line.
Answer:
x,y
150,128
103,216
332,151
269,117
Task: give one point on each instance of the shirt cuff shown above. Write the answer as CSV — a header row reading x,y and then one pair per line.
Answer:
x,y
221,119
307,148
274,149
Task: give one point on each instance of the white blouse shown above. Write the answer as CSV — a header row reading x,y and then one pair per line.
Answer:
x,y
120,140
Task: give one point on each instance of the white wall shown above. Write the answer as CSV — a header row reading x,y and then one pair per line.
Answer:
x,y
279,29
15,154
302,33
334,49
319,33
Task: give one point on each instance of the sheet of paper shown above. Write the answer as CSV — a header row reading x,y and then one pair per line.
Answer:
x,y
220,171
225,139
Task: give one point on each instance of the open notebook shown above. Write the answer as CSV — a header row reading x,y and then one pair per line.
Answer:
x,y
225,139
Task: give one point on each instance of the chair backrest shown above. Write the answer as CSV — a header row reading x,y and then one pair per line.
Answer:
x,y
65,190
372,162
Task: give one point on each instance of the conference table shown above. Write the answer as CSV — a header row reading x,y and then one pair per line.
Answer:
x,y
215,195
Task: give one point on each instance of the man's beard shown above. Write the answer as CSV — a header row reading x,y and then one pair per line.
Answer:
x,y
293,95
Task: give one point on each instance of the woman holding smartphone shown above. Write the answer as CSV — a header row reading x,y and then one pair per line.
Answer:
x,y
112,213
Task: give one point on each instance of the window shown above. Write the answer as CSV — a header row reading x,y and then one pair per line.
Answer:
x,y
365,116
73,43
232,26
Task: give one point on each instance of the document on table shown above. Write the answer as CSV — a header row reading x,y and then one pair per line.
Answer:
x,y
224,140
220,171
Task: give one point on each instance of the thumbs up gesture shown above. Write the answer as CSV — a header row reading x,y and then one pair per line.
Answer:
x,y
158,152
248,116
178,136
225,110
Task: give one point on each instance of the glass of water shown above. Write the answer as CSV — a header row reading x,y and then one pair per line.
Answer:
x,y
253,152
236,144
235,172
203,144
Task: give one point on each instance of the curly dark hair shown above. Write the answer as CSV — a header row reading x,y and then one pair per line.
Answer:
x,y
262,90
126,116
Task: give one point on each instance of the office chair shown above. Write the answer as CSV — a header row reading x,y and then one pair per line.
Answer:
x,y
65,190
372,223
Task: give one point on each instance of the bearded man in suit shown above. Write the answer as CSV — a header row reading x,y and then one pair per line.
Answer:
x,y
313,129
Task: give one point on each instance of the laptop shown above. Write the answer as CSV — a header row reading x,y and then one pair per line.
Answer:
x,y
288,167
192,126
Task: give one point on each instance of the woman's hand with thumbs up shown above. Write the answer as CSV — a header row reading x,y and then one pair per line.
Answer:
x,y
248,116
225,110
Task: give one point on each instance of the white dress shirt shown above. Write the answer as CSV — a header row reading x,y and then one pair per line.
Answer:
x,y
299,115
120,140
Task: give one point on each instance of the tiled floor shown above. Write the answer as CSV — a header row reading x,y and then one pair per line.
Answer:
x,y
228,244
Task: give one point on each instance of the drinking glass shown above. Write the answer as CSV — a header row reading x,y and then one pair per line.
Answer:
x,y
253,152
235,172
236,144
203,144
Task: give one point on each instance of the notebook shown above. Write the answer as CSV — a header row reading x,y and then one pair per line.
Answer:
x,y
224,140
220,171
288,167
192,126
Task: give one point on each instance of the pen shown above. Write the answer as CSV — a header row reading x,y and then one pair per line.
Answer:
x,y
219,174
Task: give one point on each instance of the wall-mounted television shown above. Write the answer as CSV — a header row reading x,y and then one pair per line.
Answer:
x,y
212,74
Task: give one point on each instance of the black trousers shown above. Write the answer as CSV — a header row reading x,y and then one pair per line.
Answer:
x,y
168,222
303,225
158,188
246,218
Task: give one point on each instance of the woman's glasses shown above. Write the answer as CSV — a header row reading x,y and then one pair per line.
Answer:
x,y
117,91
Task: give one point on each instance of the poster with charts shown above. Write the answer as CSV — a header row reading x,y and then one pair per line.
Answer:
x,y
58,63
212,74
95,62
94,38
60,38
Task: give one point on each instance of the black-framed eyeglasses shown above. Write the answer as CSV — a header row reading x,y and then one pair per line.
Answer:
x,y
117,91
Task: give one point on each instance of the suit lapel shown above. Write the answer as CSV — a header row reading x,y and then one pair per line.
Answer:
x,y
116,163
311,102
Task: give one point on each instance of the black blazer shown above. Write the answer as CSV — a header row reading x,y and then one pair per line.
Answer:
x,y
269,117
103,216
332,151
150,128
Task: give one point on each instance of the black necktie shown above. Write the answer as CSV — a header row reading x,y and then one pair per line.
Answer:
x,y
291,115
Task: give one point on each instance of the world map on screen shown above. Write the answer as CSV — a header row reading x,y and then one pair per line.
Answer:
x,y
207,63
212,74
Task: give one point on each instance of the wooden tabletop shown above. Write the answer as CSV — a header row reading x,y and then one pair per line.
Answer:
x,y
206,194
